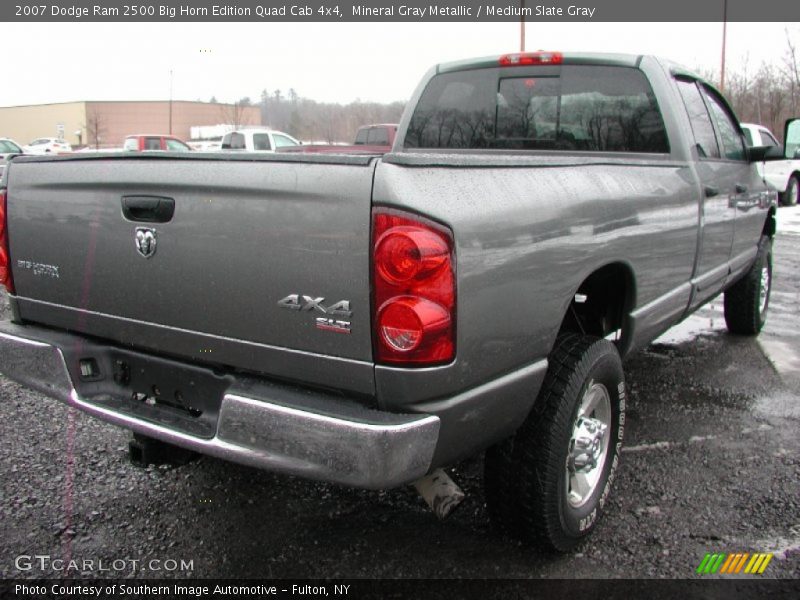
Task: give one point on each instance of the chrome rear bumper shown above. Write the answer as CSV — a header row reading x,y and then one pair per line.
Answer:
x,y
322,437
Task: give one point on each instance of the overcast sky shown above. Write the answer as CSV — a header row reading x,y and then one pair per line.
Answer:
x,y
59,62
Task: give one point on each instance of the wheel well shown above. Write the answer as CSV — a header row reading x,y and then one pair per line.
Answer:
x,y
796,176
601,303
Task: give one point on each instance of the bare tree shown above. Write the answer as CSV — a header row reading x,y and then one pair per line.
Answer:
x,y
95,128
792,71
236,114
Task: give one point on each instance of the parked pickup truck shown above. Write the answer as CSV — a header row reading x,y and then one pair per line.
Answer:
x,y
370,139
257,140
154,142
783,175
366,320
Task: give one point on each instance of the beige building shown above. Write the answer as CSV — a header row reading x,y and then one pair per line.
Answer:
x,y
107,123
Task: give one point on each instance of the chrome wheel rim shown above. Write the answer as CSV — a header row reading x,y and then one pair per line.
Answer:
x,y
588,445
763,293
793,191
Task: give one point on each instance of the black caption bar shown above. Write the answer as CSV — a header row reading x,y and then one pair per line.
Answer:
x,y
786,11
397,589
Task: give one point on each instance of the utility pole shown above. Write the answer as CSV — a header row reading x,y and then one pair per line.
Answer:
x,y
522,26
170,101
724,43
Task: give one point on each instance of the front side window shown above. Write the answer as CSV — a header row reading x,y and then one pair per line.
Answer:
x,y
281,141
700,120
176,145
9,147
731,141
767,139
572,108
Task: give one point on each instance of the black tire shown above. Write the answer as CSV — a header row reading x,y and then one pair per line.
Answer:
x,y
533,498
745,306
789,197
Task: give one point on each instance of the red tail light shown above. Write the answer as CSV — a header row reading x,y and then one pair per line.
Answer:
x,y
531,58
415,295
5,261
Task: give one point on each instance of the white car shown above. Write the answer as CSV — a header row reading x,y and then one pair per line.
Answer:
x,y
47,146
783,175
7,148
257,140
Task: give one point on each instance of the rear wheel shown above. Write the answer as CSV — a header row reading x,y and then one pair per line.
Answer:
x,y
747,301
789,197
553,477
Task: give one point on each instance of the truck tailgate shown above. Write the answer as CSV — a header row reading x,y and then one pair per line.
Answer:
x,y
245,234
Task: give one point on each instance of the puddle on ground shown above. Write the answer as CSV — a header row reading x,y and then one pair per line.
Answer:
x,y
707,321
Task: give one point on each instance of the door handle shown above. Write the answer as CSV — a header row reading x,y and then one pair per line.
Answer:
x,y
711,191
148,209
741,189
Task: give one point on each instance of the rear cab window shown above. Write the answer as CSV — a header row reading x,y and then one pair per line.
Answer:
x,y
361,136
566,108
378,136
233,141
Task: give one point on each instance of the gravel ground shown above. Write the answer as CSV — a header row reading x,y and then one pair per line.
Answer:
x,y
712,464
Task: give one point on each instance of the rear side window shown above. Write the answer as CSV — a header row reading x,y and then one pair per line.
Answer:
x,y
574,108
703,130
261,141
361,136
152,143
131,144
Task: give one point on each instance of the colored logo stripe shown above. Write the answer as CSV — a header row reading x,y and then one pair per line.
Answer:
x,y
733,563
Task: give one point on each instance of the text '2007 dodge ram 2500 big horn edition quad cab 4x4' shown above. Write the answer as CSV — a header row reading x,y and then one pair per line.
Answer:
x,y
366,320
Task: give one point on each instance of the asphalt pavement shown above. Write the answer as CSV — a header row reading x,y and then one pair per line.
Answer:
x,y
711,464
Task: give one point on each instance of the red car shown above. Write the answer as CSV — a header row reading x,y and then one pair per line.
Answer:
x,y
147,142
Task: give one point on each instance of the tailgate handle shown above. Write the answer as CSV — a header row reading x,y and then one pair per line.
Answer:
x,y
148,209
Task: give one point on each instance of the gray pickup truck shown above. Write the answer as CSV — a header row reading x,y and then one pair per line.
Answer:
x,y
365,320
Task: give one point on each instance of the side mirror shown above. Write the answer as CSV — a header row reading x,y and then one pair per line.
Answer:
x,y
765,153
791,138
